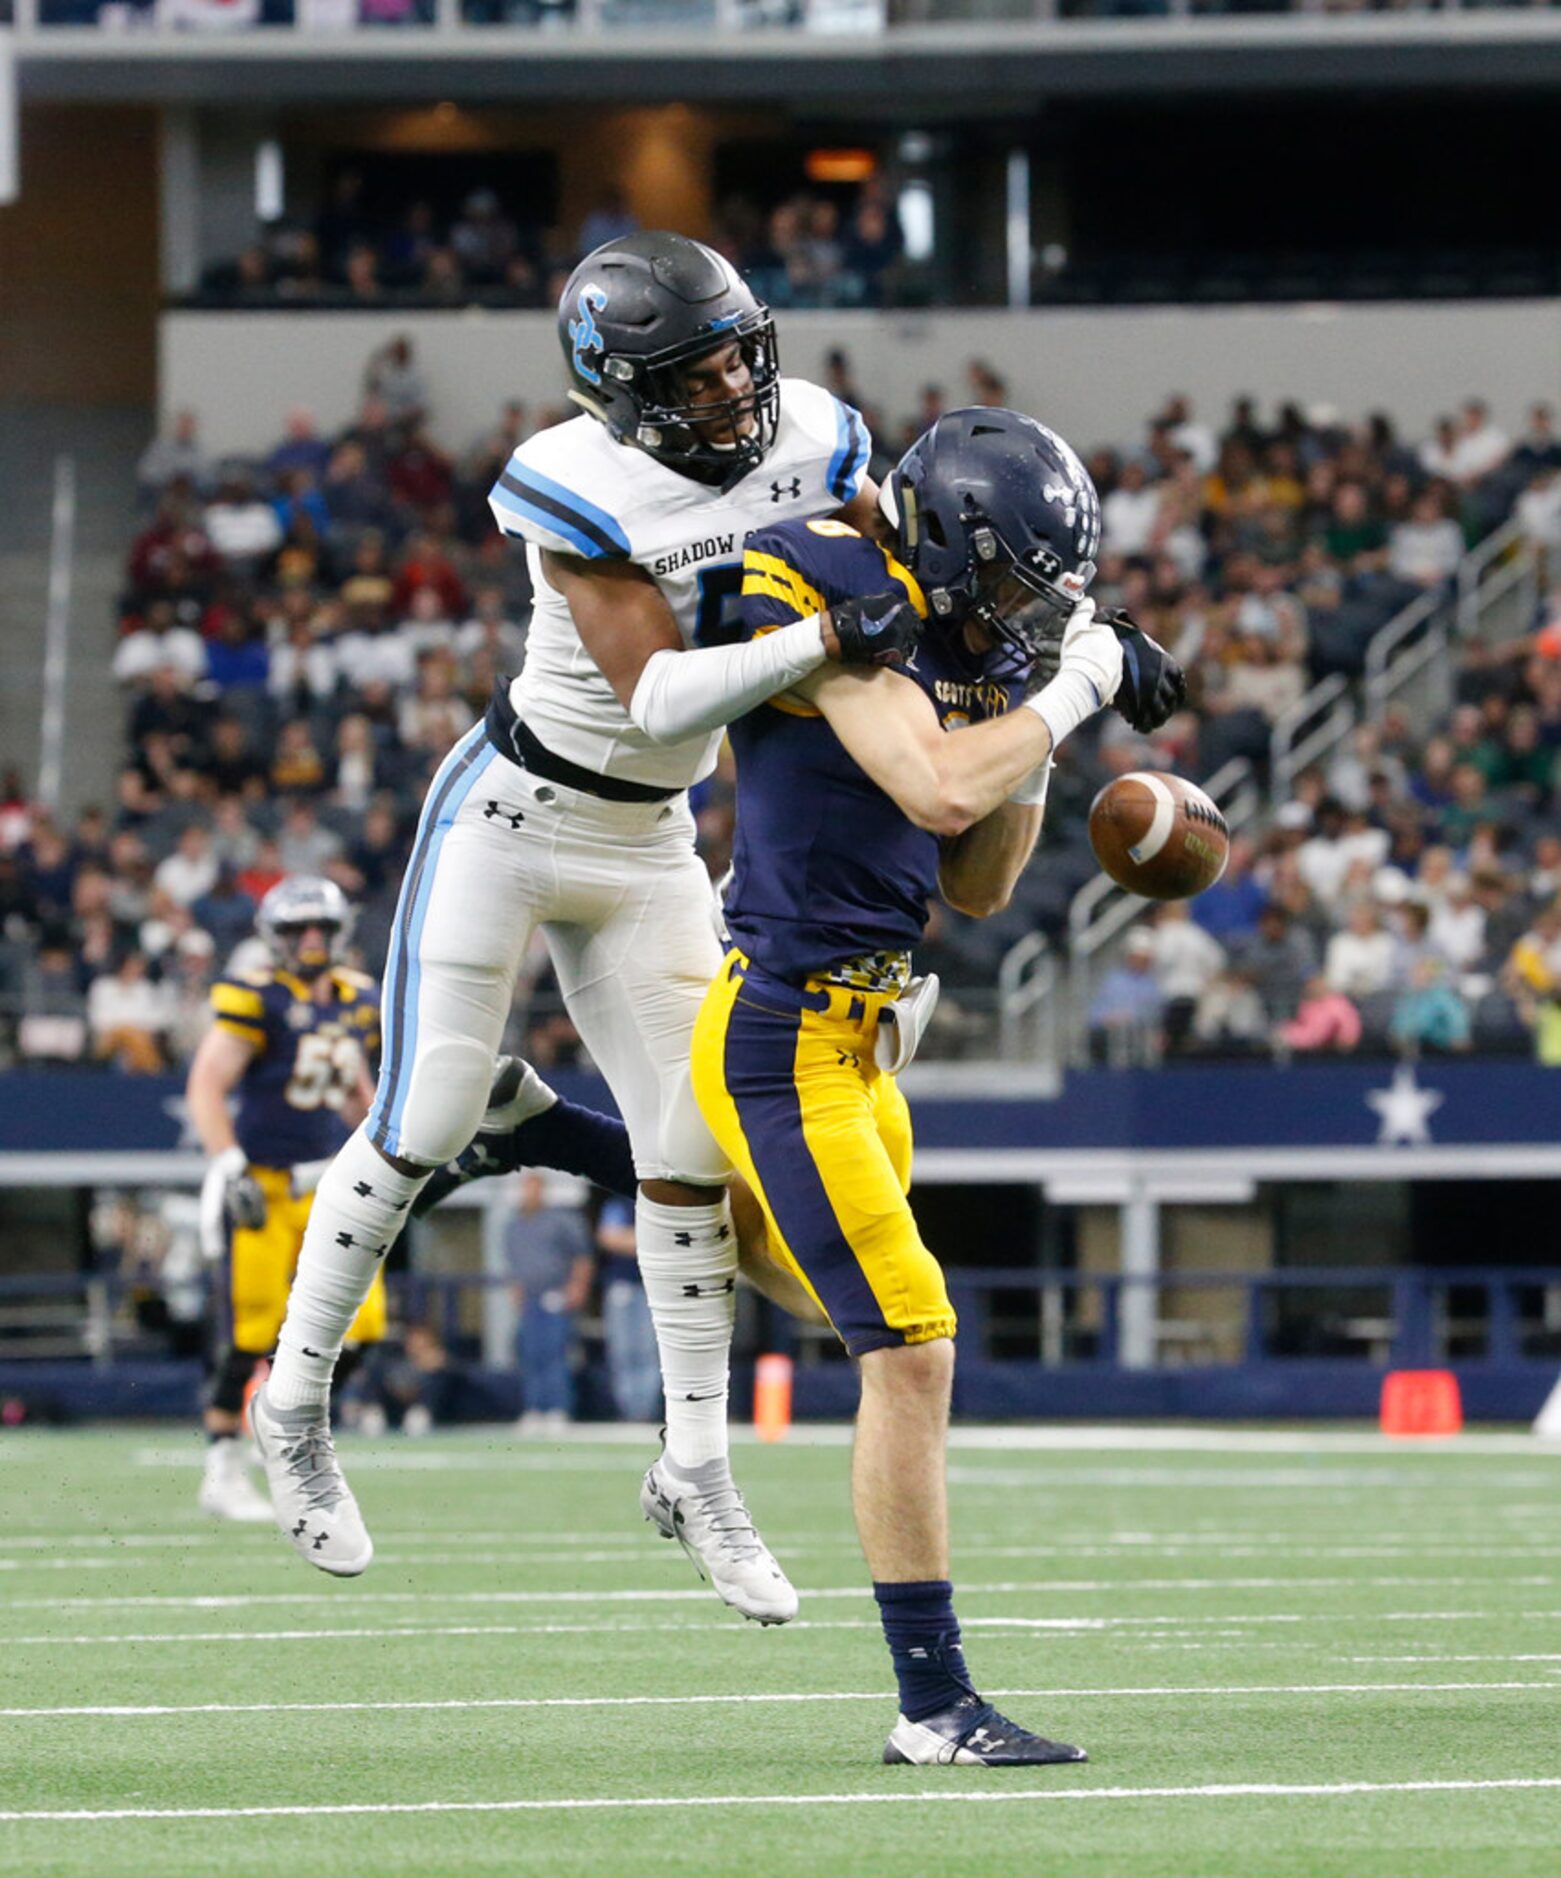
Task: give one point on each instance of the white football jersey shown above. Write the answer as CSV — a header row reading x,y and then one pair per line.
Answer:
x,y
575,490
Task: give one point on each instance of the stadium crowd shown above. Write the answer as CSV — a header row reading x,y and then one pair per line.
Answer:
x,y
815,248
304,636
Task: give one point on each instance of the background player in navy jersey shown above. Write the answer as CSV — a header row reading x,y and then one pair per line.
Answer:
x,y
291,1045
859,795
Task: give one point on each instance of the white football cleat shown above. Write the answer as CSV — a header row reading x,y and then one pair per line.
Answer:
x,y
227,1492
310,1499
706,1514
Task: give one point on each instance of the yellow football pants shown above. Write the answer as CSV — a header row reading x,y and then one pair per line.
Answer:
x,y
262,1264
786,1081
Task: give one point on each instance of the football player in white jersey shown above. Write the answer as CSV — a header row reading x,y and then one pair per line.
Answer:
x,y
567,809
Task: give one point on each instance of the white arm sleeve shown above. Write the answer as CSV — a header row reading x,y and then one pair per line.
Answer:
x,y
681,694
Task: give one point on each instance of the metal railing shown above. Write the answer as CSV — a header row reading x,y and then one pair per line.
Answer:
x,y
1416,640
1317,723
1027,983
56,651
1375,1315
1506,565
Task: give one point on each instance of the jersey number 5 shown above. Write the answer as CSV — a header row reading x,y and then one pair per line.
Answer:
x,y
718,621
323,1072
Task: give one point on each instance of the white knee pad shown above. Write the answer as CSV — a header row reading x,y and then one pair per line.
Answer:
x,y
446,1094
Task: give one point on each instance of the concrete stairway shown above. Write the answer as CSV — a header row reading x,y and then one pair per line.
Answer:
x,y
104,445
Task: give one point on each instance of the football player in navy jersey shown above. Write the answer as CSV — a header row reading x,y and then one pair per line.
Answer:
x,y
861,793
291,1044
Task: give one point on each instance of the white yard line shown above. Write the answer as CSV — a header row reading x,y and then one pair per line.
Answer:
x,y
1233,1627
981,1796
1049,1587
461,1704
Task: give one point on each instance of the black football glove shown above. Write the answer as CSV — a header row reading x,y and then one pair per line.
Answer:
x,y
246,1202
1153,687
881,630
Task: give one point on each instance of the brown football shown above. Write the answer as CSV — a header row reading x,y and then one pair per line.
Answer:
x,y
1158,835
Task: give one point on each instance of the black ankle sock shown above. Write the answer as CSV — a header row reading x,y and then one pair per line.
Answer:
x,y
922,1632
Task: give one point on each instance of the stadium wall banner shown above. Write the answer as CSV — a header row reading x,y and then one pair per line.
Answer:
x,y
1404,1113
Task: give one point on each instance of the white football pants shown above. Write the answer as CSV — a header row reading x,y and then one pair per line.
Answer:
x,y
627,911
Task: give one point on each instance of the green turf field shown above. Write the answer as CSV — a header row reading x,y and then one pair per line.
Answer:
x,y
1285,1653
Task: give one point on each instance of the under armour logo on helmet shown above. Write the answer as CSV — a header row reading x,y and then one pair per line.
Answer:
x,y
779,491
584,334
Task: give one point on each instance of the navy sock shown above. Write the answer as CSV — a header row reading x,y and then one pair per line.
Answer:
x,y
577,1140
922,1632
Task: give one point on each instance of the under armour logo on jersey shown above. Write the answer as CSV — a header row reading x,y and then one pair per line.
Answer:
x,y
779,491
710,1291
344,1238
496,812
584,334
363,1190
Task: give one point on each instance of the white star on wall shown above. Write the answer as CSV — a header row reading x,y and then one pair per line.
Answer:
x,y
1405,1109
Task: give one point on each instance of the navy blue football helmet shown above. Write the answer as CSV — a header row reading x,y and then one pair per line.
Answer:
x,y
999,521
635,314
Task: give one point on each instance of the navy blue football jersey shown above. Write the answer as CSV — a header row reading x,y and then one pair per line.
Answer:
x,y
306,1060
827,868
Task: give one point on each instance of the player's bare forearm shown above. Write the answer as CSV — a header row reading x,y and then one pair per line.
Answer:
x,y
977,870
944,782
620,613
219,1062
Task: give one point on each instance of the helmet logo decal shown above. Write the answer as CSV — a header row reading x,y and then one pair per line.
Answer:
x,y
584,334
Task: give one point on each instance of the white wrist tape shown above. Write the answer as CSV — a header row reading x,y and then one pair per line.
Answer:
x,y
681,694
1031,793
1064,704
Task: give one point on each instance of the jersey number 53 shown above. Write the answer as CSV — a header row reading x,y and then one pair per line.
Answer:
x,y
324,1071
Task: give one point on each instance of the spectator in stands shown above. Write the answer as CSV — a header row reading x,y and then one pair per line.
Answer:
x,y
242,527
191,870
1186,958
1129,513
1230,1018
1479,447
174,456
1429,1014
1425,550
1126,1012
127,1015
361,275
159,643
53,1025
1232,905
1324,1020
304,844
1278,959
392,379
629,1338
609,219
549,1252
1359,959
302,447
484,241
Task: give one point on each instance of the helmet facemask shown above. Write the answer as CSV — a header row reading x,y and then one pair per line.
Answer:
x,y
718,441
288,945
1022,603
